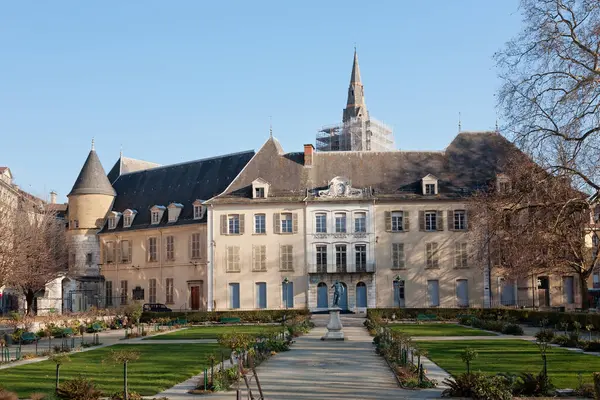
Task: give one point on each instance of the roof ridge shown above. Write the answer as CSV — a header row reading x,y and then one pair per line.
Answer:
x,y
186,162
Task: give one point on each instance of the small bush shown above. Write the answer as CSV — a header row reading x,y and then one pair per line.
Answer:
x,y
593,345
528,384
478,386
597,385
79,388
130,396
545,335
512,329
6,395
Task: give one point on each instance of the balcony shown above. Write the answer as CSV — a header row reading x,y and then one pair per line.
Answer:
x,y
365,268
342,235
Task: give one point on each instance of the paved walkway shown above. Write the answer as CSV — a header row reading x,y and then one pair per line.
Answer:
x,y
316,369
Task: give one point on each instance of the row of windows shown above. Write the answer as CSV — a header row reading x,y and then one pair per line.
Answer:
x,y
340,222
283,223
169,290
260,295
152,249
433,293
429,221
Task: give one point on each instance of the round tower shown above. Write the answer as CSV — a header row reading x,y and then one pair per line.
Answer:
x,y
90,200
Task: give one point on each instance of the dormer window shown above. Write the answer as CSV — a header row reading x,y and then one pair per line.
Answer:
x,y
128,216
260,189
198,209
502,183
113,219
174,211
156,214
430,185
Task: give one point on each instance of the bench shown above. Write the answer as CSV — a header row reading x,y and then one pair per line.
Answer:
x,y
230,320
29,337
63,333
181,321
426,317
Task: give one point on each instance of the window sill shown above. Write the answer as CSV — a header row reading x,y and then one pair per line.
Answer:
x,y
234,272
259,270
402,231
467,267
286,270
231,234
259,234
397,268
432,267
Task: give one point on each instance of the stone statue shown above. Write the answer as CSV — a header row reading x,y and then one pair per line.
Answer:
x,y
338,290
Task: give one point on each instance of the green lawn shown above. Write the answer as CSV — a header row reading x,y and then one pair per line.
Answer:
x,y
438,330
211,332
514,356
159,367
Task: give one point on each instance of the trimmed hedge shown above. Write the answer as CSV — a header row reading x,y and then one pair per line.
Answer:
x,y
522,316
259,316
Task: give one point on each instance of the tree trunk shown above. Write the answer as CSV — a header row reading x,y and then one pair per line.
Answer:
x,y
584,291
29,298
125,392
57,376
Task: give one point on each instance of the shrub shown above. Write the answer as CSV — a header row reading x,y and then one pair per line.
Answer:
x,y
528,384
6,395
130,396
593,345
512,329
223,379
597,385
545,335
478,386
258,316
79,388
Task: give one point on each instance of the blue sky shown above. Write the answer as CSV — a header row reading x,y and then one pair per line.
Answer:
x,y
177,81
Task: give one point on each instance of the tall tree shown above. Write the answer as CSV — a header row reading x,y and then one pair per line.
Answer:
x,y
550,95
34,251
534,223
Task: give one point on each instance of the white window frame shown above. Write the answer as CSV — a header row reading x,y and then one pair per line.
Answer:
x,y
109,249
360,216
127,219
112,223
341,252
233,224
460,220
397,221
155,215
259,192
319,253
197,211
321,227
287,223
430,221
360,265
461,255
430,189
260,227
126,243
341,223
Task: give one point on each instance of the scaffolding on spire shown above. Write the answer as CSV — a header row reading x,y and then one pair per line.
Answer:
x,y
355,134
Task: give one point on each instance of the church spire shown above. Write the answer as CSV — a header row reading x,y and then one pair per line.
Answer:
x,y
355,106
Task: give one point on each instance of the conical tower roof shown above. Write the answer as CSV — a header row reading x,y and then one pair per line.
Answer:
x,y
355,77
92,178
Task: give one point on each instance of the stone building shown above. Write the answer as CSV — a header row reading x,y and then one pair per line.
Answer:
x,y
152,236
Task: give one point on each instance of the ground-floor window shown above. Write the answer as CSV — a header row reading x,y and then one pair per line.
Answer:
x,y
261,295
234,295
322,296
462,292
152,291
123,292
399,293
288,294
109,293
361,294
433,293
569,289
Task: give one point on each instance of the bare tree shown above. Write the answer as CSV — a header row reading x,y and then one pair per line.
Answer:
x,y
33,251
551,91
535,223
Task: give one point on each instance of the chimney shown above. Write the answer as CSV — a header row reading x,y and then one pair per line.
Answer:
x,y
309,149
53,197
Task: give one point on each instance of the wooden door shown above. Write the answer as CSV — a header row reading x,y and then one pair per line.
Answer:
x,y
195,297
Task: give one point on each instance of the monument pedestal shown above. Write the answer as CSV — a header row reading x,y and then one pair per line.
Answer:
x,y
334,326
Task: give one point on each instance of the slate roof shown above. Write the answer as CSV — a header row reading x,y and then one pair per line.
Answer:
x,y
92,178
470,162
178,183
125,165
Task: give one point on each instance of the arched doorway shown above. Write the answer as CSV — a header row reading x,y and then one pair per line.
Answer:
x,y
322,301
344,297
361,295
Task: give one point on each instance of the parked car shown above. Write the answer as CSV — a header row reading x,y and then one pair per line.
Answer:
x,y
156,307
